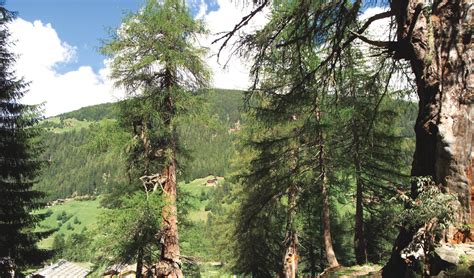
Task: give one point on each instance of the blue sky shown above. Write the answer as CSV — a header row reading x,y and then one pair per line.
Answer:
x,y
84,23
57,42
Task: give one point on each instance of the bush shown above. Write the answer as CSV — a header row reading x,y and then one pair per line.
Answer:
x,y
48,213
58,243
430,205
427,216
76,221
203,196
59,217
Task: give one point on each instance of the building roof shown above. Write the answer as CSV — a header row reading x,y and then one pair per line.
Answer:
x,y
62,269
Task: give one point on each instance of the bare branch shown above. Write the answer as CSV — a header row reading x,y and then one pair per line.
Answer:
x,y
382,44
244,21
374,18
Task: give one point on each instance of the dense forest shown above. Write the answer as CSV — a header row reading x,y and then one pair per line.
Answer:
x,y
348,155
83,159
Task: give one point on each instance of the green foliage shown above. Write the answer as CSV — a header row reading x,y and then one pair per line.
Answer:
x,y
381,230
130,229
20,161
76,221
163,34
430,204
78,159
86,213
59,244
314,129
77,247
102,144
92,113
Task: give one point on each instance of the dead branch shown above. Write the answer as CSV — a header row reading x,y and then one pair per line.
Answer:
x,y
243,22
382,44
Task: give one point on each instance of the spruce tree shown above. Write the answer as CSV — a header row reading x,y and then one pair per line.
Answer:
x,y
155,59
19,161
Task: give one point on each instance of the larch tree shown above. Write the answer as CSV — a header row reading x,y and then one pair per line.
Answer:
x,y
367,118
156,58
265,226
435,39
280,73
20,149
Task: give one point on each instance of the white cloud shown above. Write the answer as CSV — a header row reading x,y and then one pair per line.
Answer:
x,y
40,51
379,29
236,74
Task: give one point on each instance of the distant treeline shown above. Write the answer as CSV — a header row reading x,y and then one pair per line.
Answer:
x,y
83,157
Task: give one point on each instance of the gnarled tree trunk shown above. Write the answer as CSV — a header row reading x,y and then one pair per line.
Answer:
x,y
437,44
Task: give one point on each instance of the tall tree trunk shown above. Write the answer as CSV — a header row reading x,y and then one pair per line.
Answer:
x,y
170,262
360,246
439,49
290,259
139,269
312,245
327,239
330,254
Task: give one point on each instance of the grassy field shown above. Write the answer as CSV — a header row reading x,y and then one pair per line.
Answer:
x,y
79,215
75,215
55,124
197,188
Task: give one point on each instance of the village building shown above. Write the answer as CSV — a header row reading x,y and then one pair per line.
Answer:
x,y
61,269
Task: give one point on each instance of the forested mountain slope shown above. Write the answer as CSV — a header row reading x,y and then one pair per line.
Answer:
x,y
83,157
85,154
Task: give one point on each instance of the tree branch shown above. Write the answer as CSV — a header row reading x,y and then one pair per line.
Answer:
x,y
382,44
374,18
244,21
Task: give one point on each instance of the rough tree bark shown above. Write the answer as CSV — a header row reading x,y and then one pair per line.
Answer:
x,y
330,254
437,41
170,262
290,259
326,220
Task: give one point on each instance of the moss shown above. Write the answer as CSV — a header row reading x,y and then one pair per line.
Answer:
x,y
367,270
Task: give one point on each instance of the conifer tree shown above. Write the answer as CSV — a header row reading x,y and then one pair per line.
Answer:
x,y
19,161
155,59
433,38
370,139
280,75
